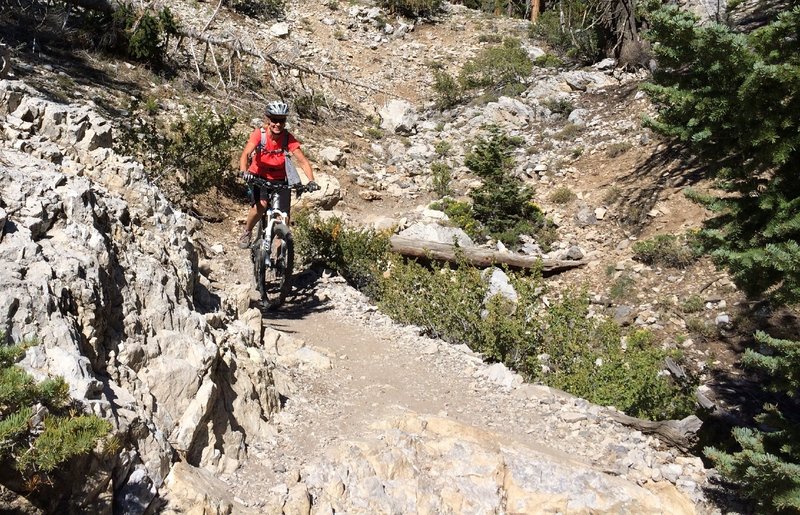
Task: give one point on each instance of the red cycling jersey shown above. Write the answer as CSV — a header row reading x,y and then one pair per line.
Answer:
x,y
269,163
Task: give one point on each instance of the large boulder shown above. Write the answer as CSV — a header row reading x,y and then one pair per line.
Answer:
x,y
398,116
437,233
328,195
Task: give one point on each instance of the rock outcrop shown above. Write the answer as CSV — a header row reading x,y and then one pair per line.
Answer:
x,y
101,272
425,464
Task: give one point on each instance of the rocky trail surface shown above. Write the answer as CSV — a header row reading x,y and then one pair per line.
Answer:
x,y
378,418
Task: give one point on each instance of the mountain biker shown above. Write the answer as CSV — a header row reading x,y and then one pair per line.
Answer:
x,y
269,163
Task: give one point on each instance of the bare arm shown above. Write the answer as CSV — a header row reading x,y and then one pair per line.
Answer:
x,y
243,159
302,161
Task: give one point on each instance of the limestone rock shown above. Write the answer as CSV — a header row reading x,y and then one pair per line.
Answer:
x,y
398,116
436,465
195,490
329,194
438,233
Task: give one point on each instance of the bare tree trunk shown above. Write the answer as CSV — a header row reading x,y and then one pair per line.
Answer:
x,y
535,8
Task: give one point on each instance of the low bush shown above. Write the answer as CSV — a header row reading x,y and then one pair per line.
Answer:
x,y
412,8
442,147
548,61
562,195
568,132
460,214
622,287
693,304
561,105
617,149
448,91
197,151
34,451
665,250
441,175
260,8
309,106
499,67
141,34
490,38
358,256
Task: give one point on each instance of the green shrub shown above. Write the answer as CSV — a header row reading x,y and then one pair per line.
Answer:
x,y
548,61
560,105
358,256
613,194
374,132
460,214
309,106
448,91
569,132
622,287
197,150
617,149
441,175
562,195
412,8
502,204
442,147
701,327
260,8
490,38
141,34
30,450
693,304
497,67
665,250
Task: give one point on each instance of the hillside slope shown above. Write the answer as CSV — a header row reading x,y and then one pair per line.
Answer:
x,y
327,405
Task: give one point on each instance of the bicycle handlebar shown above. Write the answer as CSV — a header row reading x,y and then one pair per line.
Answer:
x,y
270,185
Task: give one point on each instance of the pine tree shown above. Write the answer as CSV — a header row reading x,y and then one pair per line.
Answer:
x,y
502,204
28,449
734,100
768,464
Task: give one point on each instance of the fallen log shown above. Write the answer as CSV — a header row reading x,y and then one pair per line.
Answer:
x,y
479,257
680,433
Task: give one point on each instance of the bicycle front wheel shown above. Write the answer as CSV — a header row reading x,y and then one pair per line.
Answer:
x,y
277,279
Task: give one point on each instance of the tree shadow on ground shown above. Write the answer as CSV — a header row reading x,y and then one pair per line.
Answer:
x,y
739,397
672,168
52,51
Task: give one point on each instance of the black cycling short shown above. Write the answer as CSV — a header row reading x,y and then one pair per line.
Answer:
x,y
284,197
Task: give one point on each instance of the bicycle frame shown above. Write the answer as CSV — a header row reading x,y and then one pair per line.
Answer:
x,y
273,270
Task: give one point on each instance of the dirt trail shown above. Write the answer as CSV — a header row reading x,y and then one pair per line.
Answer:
x,y
379,370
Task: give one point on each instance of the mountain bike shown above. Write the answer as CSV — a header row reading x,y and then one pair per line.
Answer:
x,y
272,250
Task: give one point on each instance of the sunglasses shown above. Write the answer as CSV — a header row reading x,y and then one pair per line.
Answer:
x,y
276,120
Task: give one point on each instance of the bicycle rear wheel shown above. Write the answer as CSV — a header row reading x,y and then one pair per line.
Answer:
x,y
276,283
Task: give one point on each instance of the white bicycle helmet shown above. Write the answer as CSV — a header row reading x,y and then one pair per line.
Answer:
x,y
277,108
